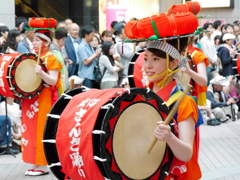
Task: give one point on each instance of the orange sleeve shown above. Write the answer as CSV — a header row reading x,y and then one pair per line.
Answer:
x,y
186,108
53,64
200,57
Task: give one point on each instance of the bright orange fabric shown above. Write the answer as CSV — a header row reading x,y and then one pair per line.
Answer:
x,y
198,57
187,107
52,64
34,117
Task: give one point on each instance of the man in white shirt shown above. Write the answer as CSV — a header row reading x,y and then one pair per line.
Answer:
x,y
217,29
208,48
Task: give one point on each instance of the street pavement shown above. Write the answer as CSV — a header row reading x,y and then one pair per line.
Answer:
x,y
219,156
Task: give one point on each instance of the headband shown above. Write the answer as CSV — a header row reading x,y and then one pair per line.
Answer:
x,y
43,36
165,47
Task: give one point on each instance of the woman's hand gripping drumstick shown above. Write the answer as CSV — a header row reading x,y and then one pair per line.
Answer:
x,y
37,70
170,115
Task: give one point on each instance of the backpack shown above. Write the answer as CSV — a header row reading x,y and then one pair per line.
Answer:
x,y
97,72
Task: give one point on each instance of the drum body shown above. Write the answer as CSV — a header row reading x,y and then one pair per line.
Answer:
x,y
51,130
136,75
104,134
18,78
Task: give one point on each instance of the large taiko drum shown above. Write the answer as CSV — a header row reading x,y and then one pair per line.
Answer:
x,y
104,134
51,130
138,78
136,75
17,75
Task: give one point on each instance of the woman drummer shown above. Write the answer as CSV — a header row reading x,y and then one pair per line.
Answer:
x,y
35,109
161,62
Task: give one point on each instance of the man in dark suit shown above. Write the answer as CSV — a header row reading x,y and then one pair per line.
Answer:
x,y
71,45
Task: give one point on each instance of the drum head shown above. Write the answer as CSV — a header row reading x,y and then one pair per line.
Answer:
x,y
26,78
51,130
130,153
25,82
129,130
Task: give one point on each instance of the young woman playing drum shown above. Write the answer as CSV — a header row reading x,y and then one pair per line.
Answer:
x,y
35,109
161,61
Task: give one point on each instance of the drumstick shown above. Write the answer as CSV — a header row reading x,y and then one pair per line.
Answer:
x,y
38,60
171,114
71,84
134,48
39,53
8,49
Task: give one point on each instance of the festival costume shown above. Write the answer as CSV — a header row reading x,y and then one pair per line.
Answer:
x,y
157,31
34,110
34,118
198,57
178,168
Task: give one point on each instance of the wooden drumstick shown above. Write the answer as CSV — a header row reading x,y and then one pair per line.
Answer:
x,y
38,60
134,47
8,49
39,53
71,84
171,114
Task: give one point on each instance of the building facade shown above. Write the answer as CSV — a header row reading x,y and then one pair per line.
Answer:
x,y
91,11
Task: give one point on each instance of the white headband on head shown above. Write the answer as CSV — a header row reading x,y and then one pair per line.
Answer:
x,y
165,47
43,36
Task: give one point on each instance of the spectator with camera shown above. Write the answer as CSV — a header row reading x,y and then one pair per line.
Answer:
x,y
222,108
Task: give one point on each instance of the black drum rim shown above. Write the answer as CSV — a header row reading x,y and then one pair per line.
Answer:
x,y
131,69
13,84
111,112
49,132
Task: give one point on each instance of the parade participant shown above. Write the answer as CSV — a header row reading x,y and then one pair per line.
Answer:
x,y
34,110
159,71
198,73
161,61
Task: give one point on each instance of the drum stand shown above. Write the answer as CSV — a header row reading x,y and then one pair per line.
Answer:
x,y
8,150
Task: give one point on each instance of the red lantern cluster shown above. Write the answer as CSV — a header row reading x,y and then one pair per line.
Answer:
x,y
42,23
180,20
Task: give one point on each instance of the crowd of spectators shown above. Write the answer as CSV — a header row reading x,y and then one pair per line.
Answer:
x,y
220,43
82,47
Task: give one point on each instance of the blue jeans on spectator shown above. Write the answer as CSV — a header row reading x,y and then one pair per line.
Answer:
x,y
89,83
3,131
